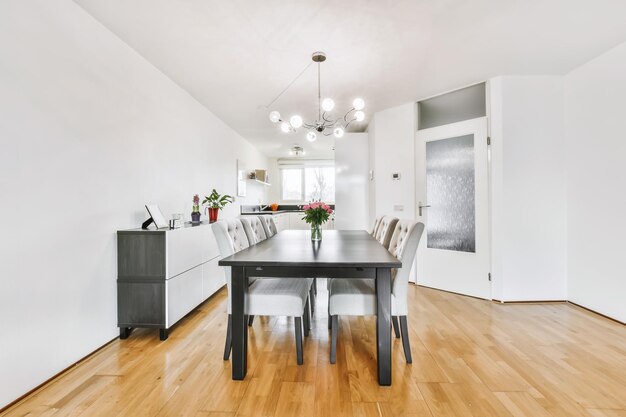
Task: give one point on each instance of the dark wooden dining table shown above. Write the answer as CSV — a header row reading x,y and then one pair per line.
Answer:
x,y
341,254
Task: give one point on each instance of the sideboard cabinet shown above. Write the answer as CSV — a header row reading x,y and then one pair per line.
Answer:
x,y
164,274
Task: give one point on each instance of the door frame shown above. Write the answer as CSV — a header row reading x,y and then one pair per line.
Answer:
x,y
420,189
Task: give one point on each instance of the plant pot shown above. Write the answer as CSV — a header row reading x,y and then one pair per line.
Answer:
x,y
195,216
213,214
316,232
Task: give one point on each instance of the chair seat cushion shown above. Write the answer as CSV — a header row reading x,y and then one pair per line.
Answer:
x,y
354,297
278,296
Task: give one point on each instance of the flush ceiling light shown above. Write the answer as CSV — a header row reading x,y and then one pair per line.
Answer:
x,y
324,123
297,150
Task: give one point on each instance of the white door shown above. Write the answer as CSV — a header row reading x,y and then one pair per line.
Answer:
x,y
452,178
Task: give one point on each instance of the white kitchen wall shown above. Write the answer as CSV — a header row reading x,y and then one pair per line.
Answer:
x,y
595,94
528,188
352,182
90,132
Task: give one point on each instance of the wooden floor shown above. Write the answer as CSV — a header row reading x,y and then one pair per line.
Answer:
x,y
470,358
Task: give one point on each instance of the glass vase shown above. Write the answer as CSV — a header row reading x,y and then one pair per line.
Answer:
x,y
316,232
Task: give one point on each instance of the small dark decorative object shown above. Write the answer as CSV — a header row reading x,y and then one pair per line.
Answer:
x,y
195,213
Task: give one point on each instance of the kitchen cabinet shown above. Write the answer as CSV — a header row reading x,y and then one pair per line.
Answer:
x,y
296,222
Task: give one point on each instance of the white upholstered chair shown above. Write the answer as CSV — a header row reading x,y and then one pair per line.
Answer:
x,y
269,225
374,228
253,225
385,230
382,229
254,229
357,297
267,296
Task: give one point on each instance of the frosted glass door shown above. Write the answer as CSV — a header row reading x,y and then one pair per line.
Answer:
x,y
452,188
451,194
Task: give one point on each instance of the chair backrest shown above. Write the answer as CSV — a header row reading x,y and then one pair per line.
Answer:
x,y
269,225
403,245
375,226
254,229
231,238
385,230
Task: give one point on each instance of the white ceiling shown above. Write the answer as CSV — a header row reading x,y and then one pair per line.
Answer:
x,y
236,56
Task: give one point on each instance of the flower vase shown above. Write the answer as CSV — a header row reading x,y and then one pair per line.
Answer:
x,y
195,216
316,232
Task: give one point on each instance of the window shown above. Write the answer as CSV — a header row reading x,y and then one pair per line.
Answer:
x,y
319,184
292,184
306,183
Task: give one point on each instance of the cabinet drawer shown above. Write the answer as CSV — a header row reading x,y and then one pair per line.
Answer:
x,y
212,278
184,293
188,247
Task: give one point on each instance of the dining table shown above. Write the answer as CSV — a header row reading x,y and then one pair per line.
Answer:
x,y
340,254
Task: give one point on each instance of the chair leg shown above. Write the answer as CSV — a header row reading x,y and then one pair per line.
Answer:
x,y
333,339
312,297
250,319
229,338
396,327
307,318
315,285
405,339
298,326
330,319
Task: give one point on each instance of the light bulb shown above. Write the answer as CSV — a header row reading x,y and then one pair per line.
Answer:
x,y
328,104
275,116
358,104
338,132
359,116
296,121
285,127
311,136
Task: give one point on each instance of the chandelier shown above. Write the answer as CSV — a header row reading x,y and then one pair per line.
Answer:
x,y
325,124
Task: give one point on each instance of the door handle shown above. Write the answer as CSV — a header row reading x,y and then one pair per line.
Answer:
x,y
422,207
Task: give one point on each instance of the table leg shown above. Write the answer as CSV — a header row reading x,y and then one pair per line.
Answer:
x,y
383,324
239,293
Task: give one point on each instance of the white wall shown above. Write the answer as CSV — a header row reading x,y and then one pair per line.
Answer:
x,y
393,143
352,182
90,131
528,188
595,94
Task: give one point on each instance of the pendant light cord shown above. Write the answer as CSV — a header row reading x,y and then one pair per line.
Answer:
x,y
292,82
319,93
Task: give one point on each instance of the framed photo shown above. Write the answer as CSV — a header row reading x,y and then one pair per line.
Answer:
x,y
241,180
157,216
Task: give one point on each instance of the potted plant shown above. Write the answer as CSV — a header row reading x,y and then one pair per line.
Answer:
x,y
195,211
316,214
216,202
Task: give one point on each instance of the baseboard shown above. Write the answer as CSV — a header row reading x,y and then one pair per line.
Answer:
x,y
42,385
526,302
595,312
452,292
529,301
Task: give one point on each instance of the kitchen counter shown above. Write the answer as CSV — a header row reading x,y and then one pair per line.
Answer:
x,y
256,213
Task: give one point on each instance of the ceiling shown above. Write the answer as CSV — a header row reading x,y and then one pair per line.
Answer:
x,y
236,56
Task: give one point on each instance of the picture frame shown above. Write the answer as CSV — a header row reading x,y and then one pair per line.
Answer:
x,y
241,179
156,216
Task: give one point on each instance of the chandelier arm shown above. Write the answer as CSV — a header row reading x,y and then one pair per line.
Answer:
x,y
327,134
348,124
345,117
331,121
